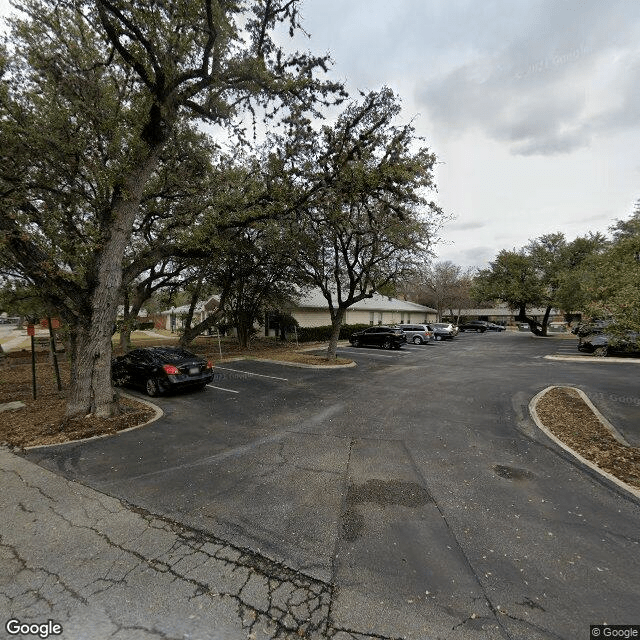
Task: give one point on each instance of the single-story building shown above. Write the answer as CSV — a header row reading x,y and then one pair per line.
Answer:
x,y
312,310
502,314
173,319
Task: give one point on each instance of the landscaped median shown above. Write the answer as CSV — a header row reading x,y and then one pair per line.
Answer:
x,y
41,421
569,418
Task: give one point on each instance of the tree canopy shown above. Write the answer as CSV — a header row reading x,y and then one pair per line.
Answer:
x,y
538,275
364,220
94,93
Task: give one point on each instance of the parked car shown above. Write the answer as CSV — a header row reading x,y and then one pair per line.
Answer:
x,y
473,325
492,326
416,333
381,336
161,369
589,327
603,344
444,330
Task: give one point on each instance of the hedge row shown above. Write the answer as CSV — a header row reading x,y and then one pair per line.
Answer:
x,y
322,334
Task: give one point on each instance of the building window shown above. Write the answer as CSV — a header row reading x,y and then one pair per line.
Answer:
x,y
380,317
371,317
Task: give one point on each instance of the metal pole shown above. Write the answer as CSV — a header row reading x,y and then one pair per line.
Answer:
x,y
33,365
219,344
52,341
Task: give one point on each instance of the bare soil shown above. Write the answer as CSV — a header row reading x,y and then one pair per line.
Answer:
x,y
571,420
42,421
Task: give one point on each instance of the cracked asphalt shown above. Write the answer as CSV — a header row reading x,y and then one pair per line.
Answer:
x,y
411,497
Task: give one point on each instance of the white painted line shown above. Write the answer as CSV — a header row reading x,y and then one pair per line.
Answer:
x,y
223,389
249,373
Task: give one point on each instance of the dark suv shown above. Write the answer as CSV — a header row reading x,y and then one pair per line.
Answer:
x,y
385,337
473,325
603,344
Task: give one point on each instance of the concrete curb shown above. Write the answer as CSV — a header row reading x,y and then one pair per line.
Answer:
x,y
158,414
536,418
303,365
588,359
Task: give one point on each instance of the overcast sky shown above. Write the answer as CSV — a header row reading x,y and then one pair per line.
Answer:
x,y
532,106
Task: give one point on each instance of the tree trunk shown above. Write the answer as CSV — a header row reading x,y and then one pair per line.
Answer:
x,y
243,334
336,322
534,325
128,320
545,320
189,334
91,387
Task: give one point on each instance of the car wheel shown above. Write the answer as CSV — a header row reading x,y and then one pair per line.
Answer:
x,y
417,340
358,343
387,344
600,352
438,337
151,387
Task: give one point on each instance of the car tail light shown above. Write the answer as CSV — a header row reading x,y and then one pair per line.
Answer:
x,y
209,364
170,370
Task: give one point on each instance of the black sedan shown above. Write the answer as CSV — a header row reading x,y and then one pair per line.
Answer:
x,y
473,325
603,344
161,369
385,337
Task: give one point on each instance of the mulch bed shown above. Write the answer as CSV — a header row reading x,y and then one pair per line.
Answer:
x,y
572,421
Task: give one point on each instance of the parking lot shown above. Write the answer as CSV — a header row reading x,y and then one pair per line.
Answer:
x,y
415,486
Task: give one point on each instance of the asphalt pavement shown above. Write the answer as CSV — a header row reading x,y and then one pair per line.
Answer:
x,y
410,497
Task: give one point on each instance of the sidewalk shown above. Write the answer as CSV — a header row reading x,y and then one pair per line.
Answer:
x,y
102,569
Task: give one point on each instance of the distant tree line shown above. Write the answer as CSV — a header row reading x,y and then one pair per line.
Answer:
x,y
593,275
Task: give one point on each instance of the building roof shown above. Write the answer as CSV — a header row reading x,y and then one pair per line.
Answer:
x,y
315,300
209,304
503,310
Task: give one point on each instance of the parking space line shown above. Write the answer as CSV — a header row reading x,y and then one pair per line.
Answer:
x,y
249,373
223,389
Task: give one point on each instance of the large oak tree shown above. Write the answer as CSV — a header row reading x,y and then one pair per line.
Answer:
x,y
92,93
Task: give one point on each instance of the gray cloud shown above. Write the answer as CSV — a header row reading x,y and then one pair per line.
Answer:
x,y
465,226
478,256
550,89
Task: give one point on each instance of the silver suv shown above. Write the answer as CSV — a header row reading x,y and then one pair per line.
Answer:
x,y
417,333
